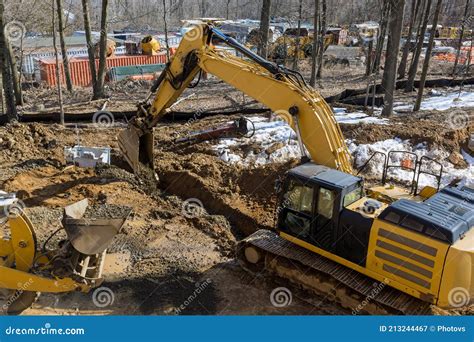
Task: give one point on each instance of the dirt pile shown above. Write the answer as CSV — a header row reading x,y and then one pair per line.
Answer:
x,y
432,129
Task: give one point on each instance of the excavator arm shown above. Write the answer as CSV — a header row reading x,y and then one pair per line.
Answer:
x,y
283,91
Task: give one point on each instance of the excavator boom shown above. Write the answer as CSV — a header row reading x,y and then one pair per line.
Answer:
x,y
282,90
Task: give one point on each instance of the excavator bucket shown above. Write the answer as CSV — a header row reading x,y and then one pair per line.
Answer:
x,y
137,147
91,236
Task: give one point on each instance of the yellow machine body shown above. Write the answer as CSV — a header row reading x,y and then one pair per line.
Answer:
x,y
17,258
414,263
150,46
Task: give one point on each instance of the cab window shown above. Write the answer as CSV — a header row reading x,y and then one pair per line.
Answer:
x,y
299,197
352,196
325,203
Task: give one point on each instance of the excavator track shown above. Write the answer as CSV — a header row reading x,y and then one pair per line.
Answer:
x,y
349,288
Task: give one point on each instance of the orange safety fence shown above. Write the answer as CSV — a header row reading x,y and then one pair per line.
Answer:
x,y
80,70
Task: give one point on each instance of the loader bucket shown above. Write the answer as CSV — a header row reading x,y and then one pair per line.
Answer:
x,y
137,147
90,236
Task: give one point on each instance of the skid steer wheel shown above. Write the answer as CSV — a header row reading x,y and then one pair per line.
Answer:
x,y
20,301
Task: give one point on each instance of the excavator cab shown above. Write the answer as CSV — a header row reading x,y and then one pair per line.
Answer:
x,y
313,199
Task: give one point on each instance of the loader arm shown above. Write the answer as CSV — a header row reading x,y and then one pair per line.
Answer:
x,y
283,91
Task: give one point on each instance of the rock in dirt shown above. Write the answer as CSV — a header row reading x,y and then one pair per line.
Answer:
x,y
457,160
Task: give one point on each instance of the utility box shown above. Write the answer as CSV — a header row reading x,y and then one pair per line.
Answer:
x,y
83,156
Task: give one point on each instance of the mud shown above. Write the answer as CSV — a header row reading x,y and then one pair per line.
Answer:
x,y
183,228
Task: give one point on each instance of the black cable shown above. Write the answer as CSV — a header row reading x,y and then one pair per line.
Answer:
x,y
49,238
195,84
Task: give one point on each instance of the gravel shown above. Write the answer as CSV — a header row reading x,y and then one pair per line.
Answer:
x,y
106,211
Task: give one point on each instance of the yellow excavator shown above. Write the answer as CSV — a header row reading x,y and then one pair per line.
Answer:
x,y
386,249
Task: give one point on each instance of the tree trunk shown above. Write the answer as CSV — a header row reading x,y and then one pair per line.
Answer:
x,y
368,61
415,6
264,27
102,52
321,38
297,43
15,74
203,8
56,54
6,70
426,63
461,36
419,46
314,55
381,37
67,73
166,31
90,44
227,9
393,47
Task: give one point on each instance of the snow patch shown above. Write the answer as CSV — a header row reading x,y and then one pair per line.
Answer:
x,y
361,153
275,142
449,100
342,116
266,141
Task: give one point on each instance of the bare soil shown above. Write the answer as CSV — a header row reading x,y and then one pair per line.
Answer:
x,y
166,250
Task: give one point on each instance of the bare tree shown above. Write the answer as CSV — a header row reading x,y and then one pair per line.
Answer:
x,y
6,70
227,5
381,36
99,93
264,27
415,6
297,43
314,55
368,63
419,46
56,54
203,8
461,36
67,73
90,44
322,34
426,63
166,31
14,73
393,46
